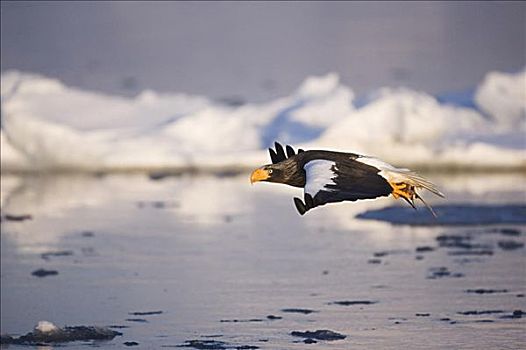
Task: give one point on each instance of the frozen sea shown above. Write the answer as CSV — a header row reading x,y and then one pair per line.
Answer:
x,y
224,260
136,213
128,131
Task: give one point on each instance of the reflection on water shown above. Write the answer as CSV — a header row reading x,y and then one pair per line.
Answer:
x,y
452,215
204,249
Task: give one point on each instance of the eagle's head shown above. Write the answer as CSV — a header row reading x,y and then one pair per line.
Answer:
x,y
285,172
269,173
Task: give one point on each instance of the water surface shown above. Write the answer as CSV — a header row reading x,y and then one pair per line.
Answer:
x,y
217,256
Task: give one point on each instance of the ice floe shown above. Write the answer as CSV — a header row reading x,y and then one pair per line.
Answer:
x,y
47,125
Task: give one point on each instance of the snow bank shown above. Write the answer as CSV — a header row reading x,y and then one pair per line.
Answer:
x,y
47,125
503,97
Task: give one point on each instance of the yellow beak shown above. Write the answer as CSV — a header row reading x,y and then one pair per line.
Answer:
x,y
259,175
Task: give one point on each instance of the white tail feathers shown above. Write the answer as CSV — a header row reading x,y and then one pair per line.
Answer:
x,y
418,181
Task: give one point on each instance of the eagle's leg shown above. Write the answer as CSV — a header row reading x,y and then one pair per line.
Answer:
x,y
408,193
403,190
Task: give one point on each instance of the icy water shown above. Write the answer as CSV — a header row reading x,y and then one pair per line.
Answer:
x,y
212,262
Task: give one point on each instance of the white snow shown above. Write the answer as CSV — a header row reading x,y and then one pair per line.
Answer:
x,y
48,125
45,327
503,97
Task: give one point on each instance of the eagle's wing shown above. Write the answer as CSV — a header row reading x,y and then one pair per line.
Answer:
x,y
279,154
330,181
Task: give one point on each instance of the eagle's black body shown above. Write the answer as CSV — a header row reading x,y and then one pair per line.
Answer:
x,y
352,180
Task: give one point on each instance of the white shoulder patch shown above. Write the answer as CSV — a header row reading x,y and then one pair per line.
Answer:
x,y
319,174
387,171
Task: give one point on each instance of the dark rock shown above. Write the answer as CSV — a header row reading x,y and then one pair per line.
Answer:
x,y
62,335
116,326
325,272
509,232
320,334
486,291
7,339
214,345
374,261
379,286
454,241
461,242
47,255
204,344
299,311
471,252
145,313
424,249
520,295
353,302
445,319
510,245
481,312
419,257
131,343
141,320
242,320
87,234
158,175
310,341
463,261
422,314
23,217
381,254
483,321
515,314
273,317
44,273
440,272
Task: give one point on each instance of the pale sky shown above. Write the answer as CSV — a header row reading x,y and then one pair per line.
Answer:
x,y
262,50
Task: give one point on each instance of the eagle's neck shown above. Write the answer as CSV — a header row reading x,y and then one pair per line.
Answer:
x,y
293,174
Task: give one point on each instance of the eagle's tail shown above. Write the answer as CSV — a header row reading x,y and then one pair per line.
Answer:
x,y
405,183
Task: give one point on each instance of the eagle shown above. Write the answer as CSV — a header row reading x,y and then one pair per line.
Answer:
x,y
330,177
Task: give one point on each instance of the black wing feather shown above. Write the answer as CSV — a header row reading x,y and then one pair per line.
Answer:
x,y
273,156
290,151
352,181
300,206
280,152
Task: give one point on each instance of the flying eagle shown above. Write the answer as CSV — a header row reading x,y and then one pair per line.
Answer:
x,y
329,177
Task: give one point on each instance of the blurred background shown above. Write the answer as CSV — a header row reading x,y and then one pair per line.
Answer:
x,y
173,85
256,51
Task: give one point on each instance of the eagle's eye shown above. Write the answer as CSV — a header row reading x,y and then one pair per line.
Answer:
x,y
270,171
